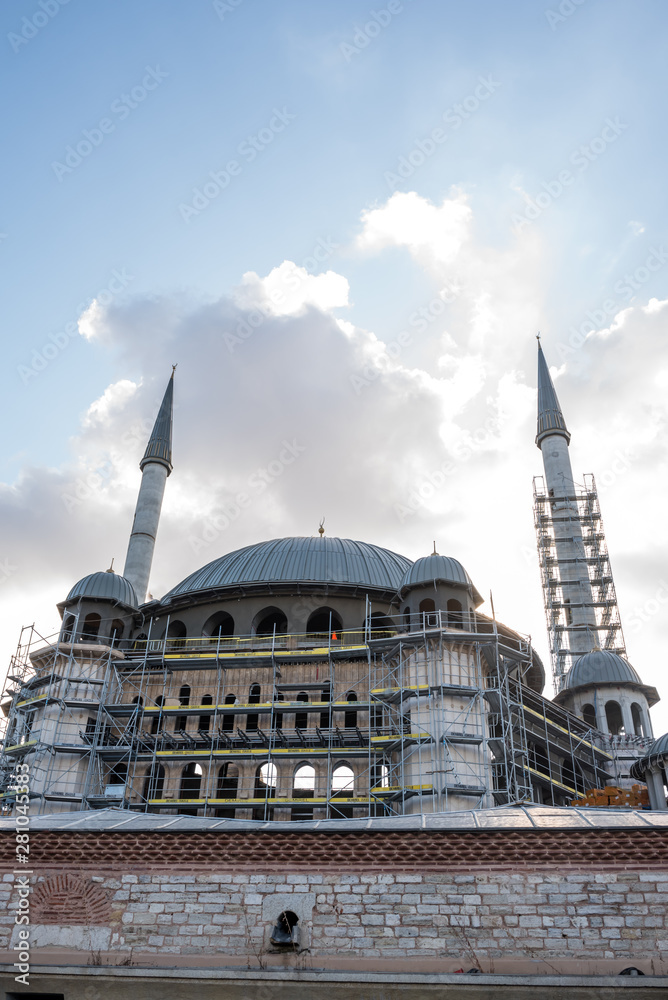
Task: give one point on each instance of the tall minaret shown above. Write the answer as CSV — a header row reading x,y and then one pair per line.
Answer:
x,y
560,519
156,465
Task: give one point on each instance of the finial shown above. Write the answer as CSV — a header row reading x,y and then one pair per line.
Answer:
x,y
111,568
174,367
538,336
434,553
321,528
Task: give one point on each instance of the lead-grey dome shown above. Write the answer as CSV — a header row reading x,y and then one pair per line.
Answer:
x,y
337,561
659,746
437,569
105,586
601,667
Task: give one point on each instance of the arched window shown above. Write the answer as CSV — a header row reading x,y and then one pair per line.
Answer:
x,y
380,774
638,719
303,783
154,783
326,715
343,782
613,717
538,758
228,781
91,626
228,720
116,631
324,621
191,782
181,721
252,719
285,932
589,715
205,720
155,721
568,773
350,717
428,617
265,781
455,614
270,620
301,718
219,625
278,716
176,635
69,621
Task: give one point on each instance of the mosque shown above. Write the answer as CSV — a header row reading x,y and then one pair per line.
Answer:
x,y
314,678
316,764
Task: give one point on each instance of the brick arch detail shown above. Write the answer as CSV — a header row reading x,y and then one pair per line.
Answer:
x,y
69,899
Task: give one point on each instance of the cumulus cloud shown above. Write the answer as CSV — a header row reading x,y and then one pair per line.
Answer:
x,y
284,412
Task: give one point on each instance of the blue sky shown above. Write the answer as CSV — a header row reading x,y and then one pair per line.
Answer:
x,y
336,102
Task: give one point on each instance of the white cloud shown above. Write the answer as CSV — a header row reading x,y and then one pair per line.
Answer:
x,y
430,232
288,290
111,402
89,321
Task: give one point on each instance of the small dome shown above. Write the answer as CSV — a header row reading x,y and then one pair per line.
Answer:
x,y
106,586
437,569
659,746
601,667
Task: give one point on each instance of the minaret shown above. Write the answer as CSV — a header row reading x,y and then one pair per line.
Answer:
x,y
156,465
560,520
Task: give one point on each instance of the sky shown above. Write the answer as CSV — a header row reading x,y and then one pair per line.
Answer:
x,y
346,224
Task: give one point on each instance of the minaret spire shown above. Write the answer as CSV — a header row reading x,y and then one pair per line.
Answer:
x,y
156,465
550,418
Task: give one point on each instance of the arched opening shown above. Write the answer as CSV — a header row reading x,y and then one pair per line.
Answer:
x,y
568,773
278,716
303,787
380,625
219,625
176,635
326,622
286,932
252,719
191,782
116,631
428,616
91,626
326,715
270,621
155,721
589,715
140,641
301,718
228,786
406,617
154,782
380,774
228,720
350,717
343,787
638,719
614,719
228,781
455,614
69,622
181,721
205,720
538,758
118,774
265,780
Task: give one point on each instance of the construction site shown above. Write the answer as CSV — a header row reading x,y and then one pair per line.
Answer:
x,y
415,716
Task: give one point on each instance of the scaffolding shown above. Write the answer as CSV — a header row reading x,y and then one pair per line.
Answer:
x,y
578,515
423,714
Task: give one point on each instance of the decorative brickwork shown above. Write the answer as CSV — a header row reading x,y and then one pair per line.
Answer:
x,y
433,851
67,899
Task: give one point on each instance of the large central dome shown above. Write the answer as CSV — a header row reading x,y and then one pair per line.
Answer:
x,y
301,560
